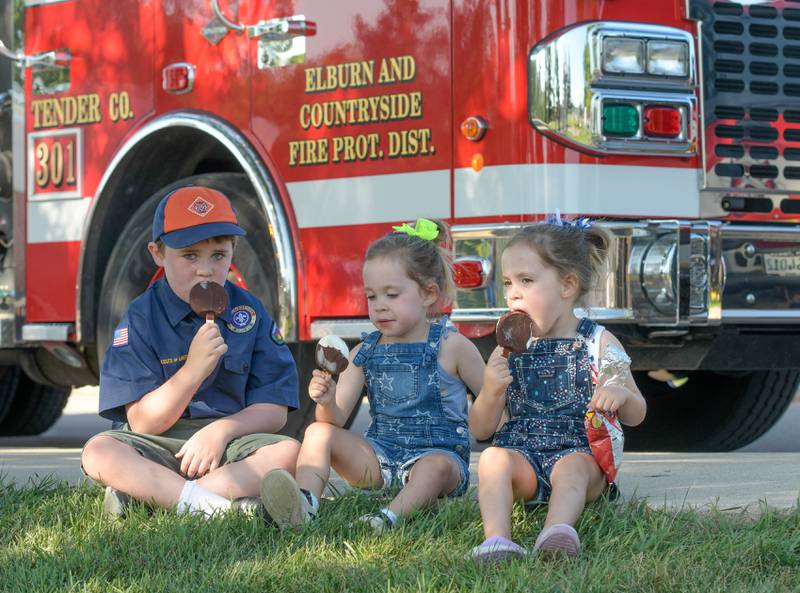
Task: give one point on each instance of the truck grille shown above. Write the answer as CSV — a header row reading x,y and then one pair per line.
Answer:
x,y
751,91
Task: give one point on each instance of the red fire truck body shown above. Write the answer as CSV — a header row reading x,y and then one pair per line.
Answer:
x,y
327,122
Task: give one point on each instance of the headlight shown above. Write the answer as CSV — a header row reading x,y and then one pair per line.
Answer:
x,y
668,58
623,55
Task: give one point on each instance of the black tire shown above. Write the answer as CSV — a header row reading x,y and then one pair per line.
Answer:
x,y
712,411
35,408
9,380
130,269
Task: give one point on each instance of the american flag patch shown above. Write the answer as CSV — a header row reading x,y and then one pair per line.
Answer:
x,y
120,337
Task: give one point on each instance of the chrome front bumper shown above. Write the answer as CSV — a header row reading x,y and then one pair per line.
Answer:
x,y
669,273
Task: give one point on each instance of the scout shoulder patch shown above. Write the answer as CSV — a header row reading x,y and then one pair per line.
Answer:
x,y
276,335
243,319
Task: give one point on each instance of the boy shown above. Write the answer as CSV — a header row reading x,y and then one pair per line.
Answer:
x,y
193,403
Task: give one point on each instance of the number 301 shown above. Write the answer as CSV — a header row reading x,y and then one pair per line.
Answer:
x,y
55,164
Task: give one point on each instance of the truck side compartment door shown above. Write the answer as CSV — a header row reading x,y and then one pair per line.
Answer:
x,y
357,128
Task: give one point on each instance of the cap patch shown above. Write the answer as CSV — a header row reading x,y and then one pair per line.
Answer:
x,y
243,319
201,207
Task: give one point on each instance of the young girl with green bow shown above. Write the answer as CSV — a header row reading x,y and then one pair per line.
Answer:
x,y
417,370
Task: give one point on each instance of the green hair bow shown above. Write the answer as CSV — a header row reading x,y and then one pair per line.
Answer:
x,y
424,229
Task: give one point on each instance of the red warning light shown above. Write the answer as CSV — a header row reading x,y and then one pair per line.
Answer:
x,y
662,122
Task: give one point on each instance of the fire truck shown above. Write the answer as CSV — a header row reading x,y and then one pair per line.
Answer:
x,y
675,124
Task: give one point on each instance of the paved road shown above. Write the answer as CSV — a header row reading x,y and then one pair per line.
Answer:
x,y
767,470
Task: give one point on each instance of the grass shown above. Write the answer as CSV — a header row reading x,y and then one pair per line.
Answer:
x,y
53,538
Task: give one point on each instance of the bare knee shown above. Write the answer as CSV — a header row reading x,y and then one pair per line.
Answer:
x,y
319,431
98,454
436,467
494,461
280,455
573,473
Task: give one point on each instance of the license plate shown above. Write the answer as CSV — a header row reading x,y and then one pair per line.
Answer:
x,y
782,264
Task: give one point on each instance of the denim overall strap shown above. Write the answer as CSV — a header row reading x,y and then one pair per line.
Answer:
x,y
435,332
586,327
368,342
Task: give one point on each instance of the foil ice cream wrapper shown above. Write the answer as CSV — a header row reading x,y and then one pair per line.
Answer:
x,y
603,430
613,367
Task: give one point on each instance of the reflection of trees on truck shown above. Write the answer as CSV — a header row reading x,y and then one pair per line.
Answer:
x,y
326,123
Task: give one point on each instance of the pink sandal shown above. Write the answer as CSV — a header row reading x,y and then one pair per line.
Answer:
x,y
558,539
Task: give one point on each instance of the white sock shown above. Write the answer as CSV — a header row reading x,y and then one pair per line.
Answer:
x,y
389,515
196,499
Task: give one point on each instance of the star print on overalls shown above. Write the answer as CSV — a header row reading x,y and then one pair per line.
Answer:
x,y
243,319
385,382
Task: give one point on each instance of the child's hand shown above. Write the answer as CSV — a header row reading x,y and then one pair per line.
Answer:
x,y
497,376
322,388
202,452
206,349
608,399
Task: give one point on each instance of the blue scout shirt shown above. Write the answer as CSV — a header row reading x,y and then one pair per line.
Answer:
x,y
152,341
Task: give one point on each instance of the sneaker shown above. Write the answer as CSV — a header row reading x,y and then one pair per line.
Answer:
x,y
251,506
558,539
115,503
496,549
613,493
377,522
284,501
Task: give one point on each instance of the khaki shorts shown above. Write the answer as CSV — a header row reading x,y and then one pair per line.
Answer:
x,y
162,448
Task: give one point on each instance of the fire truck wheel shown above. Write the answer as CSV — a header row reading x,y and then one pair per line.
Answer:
x,y
711,411
35,407
9,379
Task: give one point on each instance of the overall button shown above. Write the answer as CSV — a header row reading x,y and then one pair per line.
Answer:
x,y
460,430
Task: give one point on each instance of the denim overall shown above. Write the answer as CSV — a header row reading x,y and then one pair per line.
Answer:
x,y
408,417
546,402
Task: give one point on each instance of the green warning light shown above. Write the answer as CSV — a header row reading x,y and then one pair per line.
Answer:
x,y
620,120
